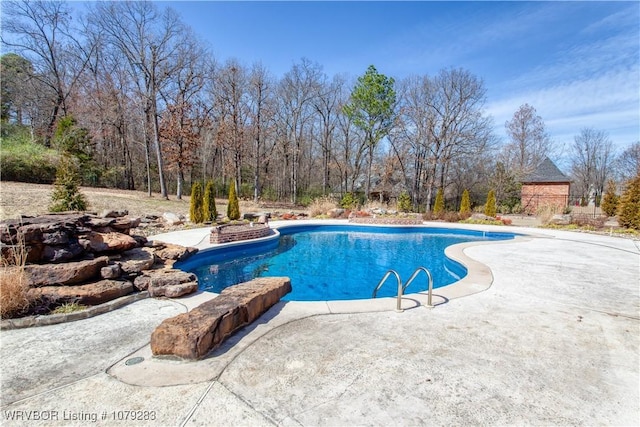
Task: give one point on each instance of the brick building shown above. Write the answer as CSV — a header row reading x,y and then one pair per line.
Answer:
x,y
545,187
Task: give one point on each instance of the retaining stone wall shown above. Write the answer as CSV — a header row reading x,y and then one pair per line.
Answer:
x,y
387,220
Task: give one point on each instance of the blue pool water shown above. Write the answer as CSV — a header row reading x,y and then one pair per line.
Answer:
x,y
328,262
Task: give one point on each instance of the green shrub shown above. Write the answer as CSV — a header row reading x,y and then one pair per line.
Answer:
x,y
269,193
490,206
404,202
629,206
66,194
518,209
210,213
75,141
233,208
305,200
610,201
348,201
196,214
438,207
465,204
246,191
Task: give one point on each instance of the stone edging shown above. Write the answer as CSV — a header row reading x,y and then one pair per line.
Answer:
x,y
53,319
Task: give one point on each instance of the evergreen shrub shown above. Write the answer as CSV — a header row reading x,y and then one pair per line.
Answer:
x,y
210,213
610,200
233,208
490,206
465,205
438,207
196,214
629,205
66,194
404,202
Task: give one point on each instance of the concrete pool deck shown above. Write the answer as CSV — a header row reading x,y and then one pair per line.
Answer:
x,y
554,340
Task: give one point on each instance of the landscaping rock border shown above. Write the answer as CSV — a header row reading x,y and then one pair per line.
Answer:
x,y
54,319
81,258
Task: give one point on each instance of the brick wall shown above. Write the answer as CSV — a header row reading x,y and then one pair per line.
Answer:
x,y
536,196
226,234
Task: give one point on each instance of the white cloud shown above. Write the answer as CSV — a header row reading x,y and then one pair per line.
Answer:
x,y
608,102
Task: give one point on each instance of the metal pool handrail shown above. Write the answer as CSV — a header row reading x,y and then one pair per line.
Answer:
x,y
386,276
429,276
401,288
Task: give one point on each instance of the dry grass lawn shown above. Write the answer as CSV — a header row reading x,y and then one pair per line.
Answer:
x,y
18,198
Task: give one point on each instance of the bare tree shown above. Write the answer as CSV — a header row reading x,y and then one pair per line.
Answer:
x,y
591,162
232,115
42,32
411,137
441,122
327,106
628,163
149,40
529,142
181,96
349,151
297,91
261,111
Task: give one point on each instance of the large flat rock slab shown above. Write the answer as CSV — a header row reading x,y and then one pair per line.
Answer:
x,y
194,334
69,273
88,294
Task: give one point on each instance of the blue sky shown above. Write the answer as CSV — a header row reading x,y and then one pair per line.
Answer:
x,y
577,63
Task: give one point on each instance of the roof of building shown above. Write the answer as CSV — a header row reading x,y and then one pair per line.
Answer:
x,y
546,171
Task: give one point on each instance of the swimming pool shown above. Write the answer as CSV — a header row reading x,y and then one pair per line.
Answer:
x,y
337,262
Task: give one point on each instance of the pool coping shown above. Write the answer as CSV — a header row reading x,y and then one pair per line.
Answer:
x,y
478,278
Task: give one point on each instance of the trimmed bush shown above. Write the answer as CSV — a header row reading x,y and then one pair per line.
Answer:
x,y
629,206
610,200
404,202
465,204
209,203
233,208
490,206
195,209
438,207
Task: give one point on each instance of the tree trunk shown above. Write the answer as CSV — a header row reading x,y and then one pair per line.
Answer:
x,y
180,180
369,166
156,137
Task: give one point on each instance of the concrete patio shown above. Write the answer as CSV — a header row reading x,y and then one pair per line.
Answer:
x,y
554,340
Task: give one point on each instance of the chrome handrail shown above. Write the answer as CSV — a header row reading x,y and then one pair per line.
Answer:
x,y
414,275
399,298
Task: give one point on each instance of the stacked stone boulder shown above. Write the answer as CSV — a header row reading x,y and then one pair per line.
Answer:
x,y
91,259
